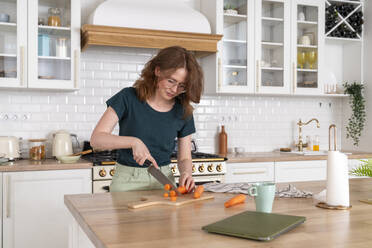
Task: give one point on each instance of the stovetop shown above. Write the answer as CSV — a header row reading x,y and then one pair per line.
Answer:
x,y
200,157
110,157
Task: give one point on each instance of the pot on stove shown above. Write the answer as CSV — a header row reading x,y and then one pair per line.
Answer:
x,y
9,147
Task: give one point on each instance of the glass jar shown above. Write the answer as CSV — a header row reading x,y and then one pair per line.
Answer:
x,y
54,18
37,149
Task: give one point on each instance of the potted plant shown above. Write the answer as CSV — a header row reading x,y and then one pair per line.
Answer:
x,y
357,119
364,170
230,9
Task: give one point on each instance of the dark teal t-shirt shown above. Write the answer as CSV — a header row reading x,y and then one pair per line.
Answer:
x,y
157,130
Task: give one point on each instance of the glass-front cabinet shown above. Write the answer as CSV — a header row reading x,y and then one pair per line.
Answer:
x,y
234,65
41,44
54,43
13,43
272,46
308,37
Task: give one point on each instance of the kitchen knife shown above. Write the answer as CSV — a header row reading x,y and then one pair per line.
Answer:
x,y
163,179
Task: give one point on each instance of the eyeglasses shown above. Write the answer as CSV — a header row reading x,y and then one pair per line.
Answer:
x,y
170,83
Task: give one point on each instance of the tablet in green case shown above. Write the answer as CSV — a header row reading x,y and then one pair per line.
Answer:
x,y
255,225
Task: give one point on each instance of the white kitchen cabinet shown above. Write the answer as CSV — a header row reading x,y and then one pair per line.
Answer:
x,y
307,46
38,53
261,43
249,172
297,171
273,46
34,213
13,44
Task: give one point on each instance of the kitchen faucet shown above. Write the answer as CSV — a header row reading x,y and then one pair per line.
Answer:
x,y
300,124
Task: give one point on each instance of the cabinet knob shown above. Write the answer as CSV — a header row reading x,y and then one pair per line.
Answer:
x,y
102,172
112,172
201,168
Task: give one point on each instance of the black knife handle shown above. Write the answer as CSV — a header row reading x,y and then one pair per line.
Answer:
x,y
147,163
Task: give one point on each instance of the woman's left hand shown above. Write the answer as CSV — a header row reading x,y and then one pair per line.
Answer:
x,y
187,181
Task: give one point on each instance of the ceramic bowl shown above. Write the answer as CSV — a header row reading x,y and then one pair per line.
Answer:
x,y
4,17
68,159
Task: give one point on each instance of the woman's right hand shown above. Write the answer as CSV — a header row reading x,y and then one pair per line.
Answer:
x,y
141,153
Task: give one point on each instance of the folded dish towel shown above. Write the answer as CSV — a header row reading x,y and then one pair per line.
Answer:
x,y
289,191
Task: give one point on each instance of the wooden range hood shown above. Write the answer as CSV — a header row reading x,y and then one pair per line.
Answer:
x,y
201,44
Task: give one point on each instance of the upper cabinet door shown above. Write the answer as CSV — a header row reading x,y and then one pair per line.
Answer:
x,y
272,46
235,66
13,43
308,48
54,45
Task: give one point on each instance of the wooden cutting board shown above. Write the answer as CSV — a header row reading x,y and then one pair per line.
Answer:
x,y
152,200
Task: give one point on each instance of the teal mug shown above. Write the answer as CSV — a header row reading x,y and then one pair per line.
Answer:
x,y
264,194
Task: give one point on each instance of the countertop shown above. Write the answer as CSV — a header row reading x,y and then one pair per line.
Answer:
x,y
286,156
109,223
48,164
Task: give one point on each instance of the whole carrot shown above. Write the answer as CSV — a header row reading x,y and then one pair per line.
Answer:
x,y
198,191
235,200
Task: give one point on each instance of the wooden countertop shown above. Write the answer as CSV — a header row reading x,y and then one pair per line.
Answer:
x,y
286,156
109,223
48,164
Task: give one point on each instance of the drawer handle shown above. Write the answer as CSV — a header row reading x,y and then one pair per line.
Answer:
x,y
249,173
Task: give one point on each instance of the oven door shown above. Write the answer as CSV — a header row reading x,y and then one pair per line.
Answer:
x,y
102,186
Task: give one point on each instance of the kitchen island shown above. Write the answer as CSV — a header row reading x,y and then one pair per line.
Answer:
x,y
107,222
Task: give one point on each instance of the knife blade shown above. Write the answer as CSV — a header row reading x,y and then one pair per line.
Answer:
x,y
163,179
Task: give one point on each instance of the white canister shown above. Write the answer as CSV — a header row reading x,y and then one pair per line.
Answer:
x,y
61,47
9,147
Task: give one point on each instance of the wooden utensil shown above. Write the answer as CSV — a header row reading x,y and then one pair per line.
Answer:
x,y
82,152
153,200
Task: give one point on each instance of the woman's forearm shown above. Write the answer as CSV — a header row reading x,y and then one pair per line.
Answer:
x,y
106,141
185,166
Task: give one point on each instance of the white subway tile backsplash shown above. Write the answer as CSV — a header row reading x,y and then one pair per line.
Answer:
x,y
119,75
75,117
93,66
20,98
128,67
102,75
108,66
256,123
57,117
56,99
30,108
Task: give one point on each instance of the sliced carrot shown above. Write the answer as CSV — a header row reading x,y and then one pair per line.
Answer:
x,y
198,191
172,193
167,187
165,195
182,189
235,200
173,198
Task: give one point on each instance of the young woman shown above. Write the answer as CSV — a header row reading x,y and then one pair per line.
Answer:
x,y
151,114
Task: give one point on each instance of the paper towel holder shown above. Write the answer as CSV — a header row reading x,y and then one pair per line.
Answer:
x,y
334,137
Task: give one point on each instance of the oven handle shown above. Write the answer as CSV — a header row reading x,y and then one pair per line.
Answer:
x,y
107,188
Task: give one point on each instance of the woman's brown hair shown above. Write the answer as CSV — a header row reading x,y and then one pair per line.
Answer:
x,y
169,60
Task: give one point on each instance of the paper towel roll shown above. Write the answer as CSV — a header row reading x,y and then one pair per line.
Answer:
x,y
337,179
